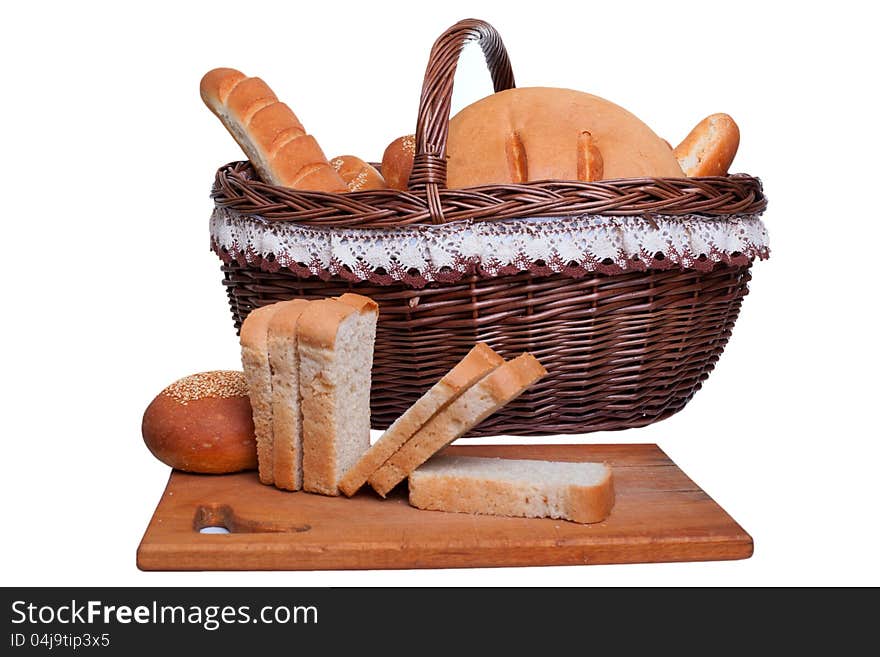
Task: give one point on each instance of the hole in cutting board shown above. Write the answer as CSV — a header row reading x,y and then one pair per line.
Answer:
x,y
222,519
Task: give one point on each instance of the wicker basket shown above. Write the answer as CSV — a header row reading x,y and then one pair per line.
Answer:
x,y
625,343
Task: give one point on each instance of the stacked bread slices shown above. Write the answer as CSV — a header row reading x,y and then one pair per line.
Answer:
x,y
308,368
307,365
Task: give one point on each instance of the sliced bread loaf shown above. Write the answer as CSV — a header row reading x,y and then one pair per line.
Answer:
x,y
286,414
478,362
335,343
257,372
496,389
581,492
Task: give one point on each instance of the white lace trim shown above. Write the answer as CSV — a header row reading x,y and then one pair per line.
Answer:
x,y
421,254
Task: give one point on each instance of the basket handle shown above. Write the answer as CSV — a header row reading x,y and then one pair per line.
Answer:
x,y
428,174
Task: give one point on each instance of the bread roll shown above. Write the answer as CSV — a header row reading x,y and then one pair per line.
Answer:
x,y
397,162
268,132
710,147
357,174
498,388
544,133
580,492
202,423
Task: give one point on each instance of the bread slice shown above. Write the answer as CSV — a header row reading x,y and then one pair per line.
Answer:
x,y
581,492
478,362
286,413
258,374
498,388
335,345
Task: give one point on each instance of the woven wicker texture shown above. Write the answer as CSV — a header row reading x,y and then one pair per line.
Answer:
x,y
622,350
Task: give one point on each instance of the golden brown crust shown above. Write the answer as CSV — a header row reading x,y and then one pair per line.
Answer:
x,y
478,362
397,162
284,320
358,175
255,327
591,503
501,386
548,123
286,414
709,149
359,302
319,323
590,165
513,377
211,434
266,129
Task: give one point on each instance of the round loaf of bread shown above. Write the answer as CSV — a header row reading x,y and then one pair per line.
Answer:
x,y
203,423
535,133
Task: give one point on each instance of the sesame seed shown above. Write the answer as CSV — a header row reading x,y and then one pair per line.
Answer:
x,y
219,383
356,183
409,143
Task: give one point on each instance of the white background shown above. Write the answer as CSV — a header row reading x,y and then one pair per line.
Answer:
x,y
111,292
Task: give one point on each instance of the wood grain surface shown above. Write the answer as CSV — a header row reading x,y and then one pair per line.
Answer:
x,y
659,515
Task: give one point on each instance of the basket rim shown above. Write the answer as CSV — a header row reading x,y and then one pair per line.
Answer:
x,y
237,187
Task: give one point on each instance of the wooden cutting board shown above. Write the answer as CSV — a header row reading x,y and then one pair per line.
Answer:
x,y
659,515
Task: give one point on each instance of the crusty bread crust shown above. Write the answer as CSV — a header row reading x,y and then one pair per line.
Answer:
x,y
710,147
549,125
358,175
478,362
498,388
317,329
210,430
268,132
458,489
397,162
286,412
257,373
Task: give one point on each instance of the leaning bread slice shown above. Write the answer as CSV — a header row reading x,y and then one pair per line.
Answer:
x,y
286,414
580,492
335,343
478,362
258,374
498,388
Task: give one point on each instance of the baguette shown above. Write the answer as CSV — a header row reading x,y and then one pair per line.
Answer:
x,y
580,492
286,413
498,388
358,175
268,132
335,343
478,362
710,147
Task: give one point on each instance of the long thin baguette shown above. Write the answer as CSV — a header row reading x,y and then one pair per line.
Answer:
x,y
580,492
268,132
478,362
286,413
498,388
